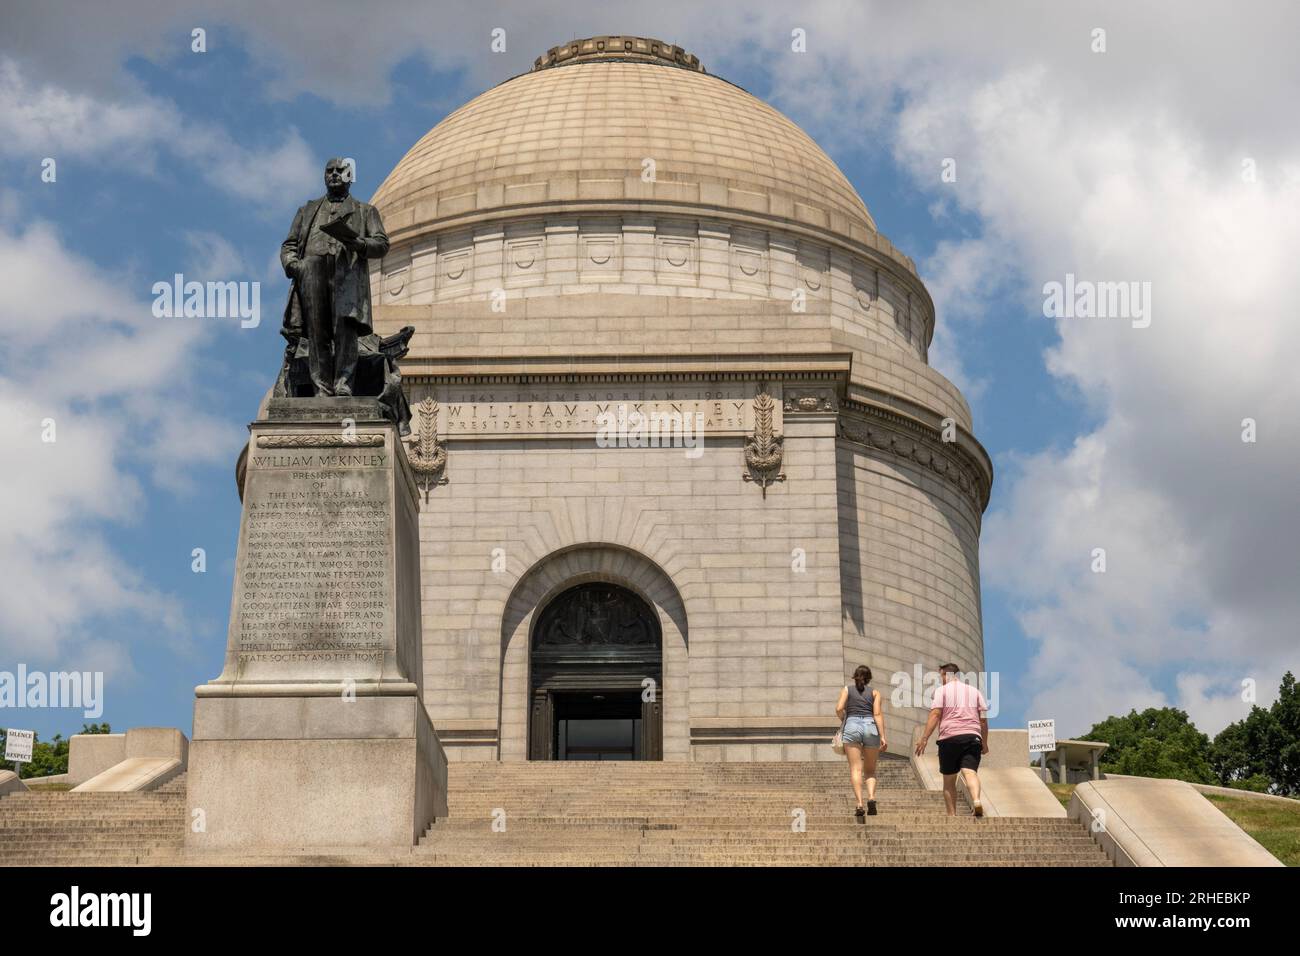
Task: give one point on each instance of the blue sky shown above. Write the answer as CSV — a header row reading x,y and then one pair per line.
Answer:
x,y
1122,164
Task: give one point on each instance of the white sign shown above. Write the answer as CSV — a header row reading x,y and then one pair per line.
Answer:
x,y
18,745
1042,736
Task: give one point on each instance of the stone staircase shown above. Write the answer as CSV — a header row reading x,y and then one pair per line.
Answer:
x,y
93,829
589,814
737,814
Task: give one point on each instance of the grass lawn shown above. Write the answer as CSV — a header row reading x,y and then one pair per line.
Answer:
x,y
1275,826
1062,792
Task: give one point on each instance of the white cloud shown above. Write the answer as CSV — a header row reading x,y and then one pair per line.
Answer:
x,y
1199,528
1214,703
83,353
39,120
212,255
962,277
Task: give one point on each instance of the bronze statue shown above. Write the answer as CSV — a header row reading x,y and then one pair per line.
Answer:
x,y
333,349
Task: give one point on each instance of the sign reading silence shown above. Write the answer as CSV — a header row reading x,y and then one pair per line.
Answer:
x,y
1042,736
18,745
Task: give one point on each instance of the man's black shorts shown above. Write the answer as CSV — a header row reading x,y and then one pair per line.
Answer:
x,y
960,753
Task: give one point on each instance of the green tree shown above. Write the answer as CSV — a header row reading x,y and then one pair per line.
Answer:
x,y
1262,751
1230,755
1159,742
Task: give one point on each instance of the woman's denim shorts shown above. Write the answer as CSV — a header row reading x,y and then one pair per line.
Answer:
x,y
861,731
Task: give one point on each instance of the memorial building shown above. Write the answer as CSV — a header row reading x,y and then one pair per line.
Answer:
x,y
561,550
681,462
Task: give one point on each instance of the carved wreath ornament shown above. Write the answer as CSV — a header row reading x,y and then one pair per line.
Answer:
x,y
428,457
764,450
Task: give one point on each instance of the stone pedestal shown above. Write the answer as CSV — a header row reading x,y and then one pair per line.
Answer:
x,y
316,734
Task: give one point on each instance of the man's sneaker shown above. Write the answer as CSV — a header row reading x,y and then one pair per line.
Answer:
x,y
978,810
871,808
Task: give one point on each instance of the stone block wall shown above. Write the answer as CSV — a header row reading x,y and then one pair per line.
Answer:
x,y
757,578
909,545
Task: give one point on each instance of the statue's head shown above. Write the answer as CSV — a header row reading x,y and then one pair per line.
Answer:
x,y
338,177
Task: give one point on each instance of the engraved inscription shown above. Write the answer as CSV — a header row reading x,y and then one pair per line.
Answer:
x,y
314,583
478,412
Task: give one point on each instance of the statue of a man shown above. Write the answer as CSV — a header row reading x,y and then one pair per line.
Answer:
x,y
329,303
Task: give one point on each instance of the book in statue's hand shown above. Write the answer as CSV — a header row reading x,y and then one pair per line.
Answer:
x,y
340,230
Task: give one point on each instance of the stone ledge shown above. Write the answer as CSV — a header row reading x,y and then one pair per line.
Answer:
x,y
729,724
133,775
1142,821
656,367
361,688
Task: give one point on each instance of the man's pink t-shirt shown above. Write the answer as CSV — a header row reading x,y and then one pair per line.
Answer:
x,y
961,706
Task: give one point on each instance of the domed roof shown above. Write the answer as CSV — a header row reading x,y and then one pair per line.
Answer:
x,y
576,130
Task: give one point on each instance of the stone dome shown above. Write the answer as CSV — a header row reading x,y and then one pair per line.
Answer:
x,y
575,132
533,194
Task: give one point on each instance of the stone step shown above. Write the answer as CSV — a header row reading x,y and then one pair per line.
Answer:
x,y
62,844
11,823
90,800
644,860
73,813
85,832
98,860
743,810
946,826
176,785
16,801
862,851
721,838
519,797
502,840
93,829
589,814
725,814
672,771
596,772
13,838
973,853
733,821
27,823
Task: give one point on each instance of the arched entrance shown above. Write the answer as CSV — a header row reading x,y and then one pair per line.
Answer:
x,y
592,650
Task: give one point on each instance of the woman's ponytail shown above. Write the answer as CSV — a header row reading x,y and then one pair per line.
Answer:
x,y
862,677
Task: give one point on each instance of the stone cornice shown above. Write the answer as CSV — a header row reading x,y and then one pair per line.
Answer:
x,y
962,462
695,368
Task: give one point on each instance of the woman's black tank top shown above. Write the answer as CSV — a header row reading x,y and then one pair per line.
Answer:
x,y
859,705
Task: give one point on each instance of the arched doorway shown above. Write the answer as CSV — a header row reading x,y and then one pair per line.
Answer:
x,y
592,650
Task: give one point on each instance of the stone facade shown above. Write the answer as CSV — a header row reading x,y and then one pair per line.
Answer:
x,y
618,228
660,256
